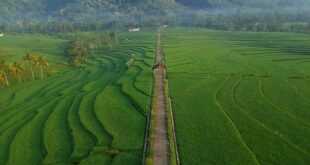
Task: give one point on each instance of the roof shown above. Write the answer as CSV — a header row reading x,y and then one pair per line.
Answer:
x,y
134,29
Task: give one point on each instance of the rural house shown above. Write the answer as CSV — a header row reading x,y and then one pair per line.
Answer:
x,y
134,29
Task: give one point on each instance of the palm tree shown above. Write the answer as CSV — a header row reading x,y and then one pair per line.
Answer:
x,y
2,79
3,73
31,60
35,60
16,71
43,63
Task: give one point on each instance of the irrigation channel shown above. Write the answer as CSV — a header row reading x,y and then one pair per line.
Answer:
x,y
162,140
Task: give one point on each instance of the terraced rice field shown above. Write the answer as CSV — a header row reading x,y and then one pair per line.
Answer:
x,y
91,115
240,98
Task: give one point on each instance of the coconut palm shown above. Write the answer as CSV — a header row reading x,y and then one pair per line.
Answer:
x,y
31,60
43,64
3,73
35,60
2,79
16,71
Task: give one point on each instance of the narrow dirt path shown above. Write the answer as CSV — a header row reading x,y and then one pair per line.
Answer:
x,y
160,146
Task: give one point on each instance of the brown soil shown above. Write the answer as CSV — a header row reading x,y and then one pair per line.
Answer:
x,y
159,114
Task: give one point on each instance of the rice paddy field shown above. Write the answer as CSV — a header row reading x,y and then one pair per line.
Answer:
x,y
88,115
240,98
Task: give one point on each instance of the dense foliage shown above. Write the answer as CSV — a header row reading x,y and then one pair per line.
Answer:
x,y
75,10
79,49
71,15
236,3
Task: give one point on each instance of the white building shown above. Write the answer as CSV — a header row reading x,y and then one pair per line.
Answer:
x,y
134,29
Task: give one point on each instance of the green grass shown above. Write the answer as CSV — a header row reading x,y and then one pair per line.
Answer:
x,y
26,146
173,155
125,123
14,47
83,140
240,98
86,115
57,137
127,158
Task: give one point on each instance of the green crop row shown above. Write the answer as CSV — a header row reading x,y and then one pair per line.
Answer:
x,y
239,98
88,115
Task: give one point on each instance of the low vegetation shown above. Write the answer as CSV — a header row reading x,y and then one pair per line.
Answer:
x,y
31,66
80,47
94,114
236,97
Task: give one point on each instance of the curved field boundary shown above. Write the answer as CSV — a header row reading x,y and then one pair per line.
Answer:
x,y
81,136
30,138
260,123
298,92
69,131
7,137
234,127
130,100
290,115
56,135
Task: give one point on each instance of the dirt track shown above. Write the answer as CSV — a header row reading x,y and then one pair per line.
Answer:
x,y
159,113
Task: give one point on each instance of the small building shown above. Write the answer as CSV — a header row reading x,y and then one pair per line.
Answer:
x,y
134,29
1,34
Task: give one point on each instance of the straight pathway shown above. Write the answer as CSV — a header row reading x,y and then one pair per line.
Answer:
x,y
160,144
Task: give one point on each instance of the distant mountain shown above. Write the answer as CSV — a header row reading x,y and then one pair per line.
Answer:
x,y
81,10
41,9
241,3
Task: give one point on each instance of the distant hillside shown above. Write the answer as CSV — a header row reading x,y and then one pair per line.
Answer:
x,y
241,3
40,9
65,15
74,9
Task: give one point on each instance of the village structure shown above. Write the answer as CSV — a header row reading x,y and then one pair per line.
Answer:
x,y
136,29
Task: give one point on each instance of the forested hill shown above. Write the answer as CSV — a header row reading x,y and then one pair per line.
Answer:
x,y
36,9
20,9
14,7
242,3
219,14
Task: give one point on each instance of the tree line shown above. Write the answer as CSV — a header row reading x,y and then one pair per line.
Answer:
x,y
35,67
259,16
79,49
31,67
233,21
246,19
53,27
